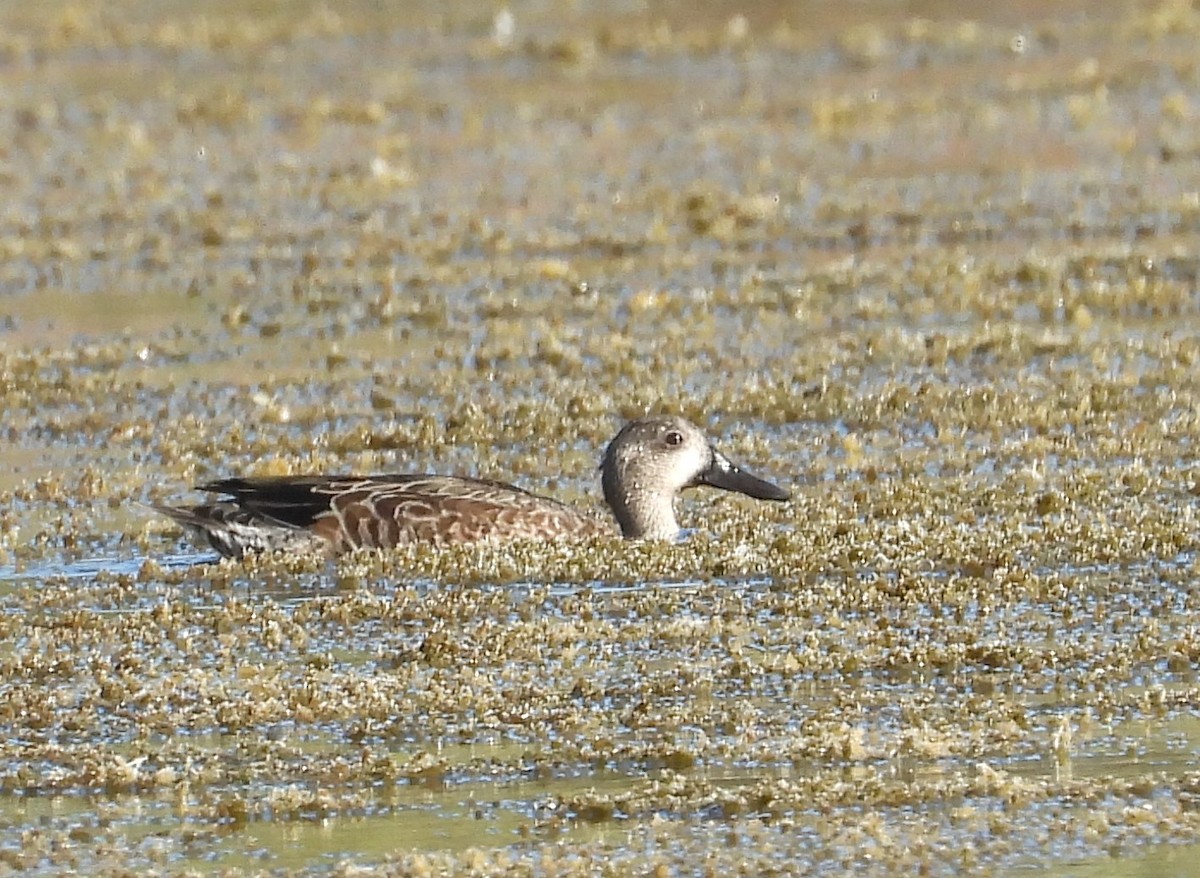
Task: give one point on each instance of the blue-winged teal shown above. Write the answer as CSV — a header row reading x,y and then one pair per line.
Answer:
x,y
644,467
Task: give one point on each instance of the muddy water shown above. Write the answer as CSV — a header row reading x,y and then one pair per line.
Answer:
x,y
933,267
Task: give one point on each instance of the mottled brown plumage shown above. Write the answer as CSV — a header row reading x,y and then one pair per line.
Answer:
x,y
644,467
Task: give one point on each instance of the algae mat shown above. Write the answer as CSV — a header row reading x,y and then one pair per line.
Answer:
x,y
932,266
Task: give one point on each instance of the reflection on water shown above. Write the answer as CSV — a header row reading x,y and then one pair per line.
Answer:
x,y
1160,862
158,829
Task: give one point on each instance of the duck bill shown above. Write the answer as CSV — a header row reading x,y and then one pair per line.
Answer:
x,y
724,474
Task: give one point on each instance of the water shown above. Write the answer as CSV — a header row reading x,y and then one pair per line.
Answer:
x,y
275,238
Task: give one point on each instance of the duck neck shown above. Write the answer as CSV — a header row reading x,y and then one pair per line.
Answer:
x,y
642,515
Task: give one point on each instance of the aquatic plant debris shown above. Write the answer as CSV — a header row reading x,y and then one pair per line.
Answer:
x,y
941,272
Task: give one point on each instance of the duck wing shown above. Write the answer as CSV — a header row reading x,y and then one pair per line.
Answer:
x,y
382,511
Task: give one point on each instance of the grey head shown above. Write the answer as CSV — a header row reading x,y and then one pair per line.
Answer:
x,y
655,457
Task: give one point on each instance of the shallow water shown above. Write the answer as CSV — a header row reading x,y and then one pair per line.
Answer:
x,y
932,267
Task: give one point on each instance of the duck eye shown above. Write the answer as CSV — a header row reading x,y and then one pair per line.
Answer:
x,y
673,438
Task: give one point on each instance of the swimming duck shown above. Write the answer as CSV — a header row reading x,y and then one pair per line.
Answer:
x,y
645,466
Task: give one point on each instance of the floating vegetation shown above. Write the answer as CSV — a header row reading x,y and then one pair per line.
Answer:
x,y
937,277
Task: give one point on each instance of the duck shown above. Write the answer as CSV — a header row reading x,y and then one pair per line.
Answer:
x,y
644,467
